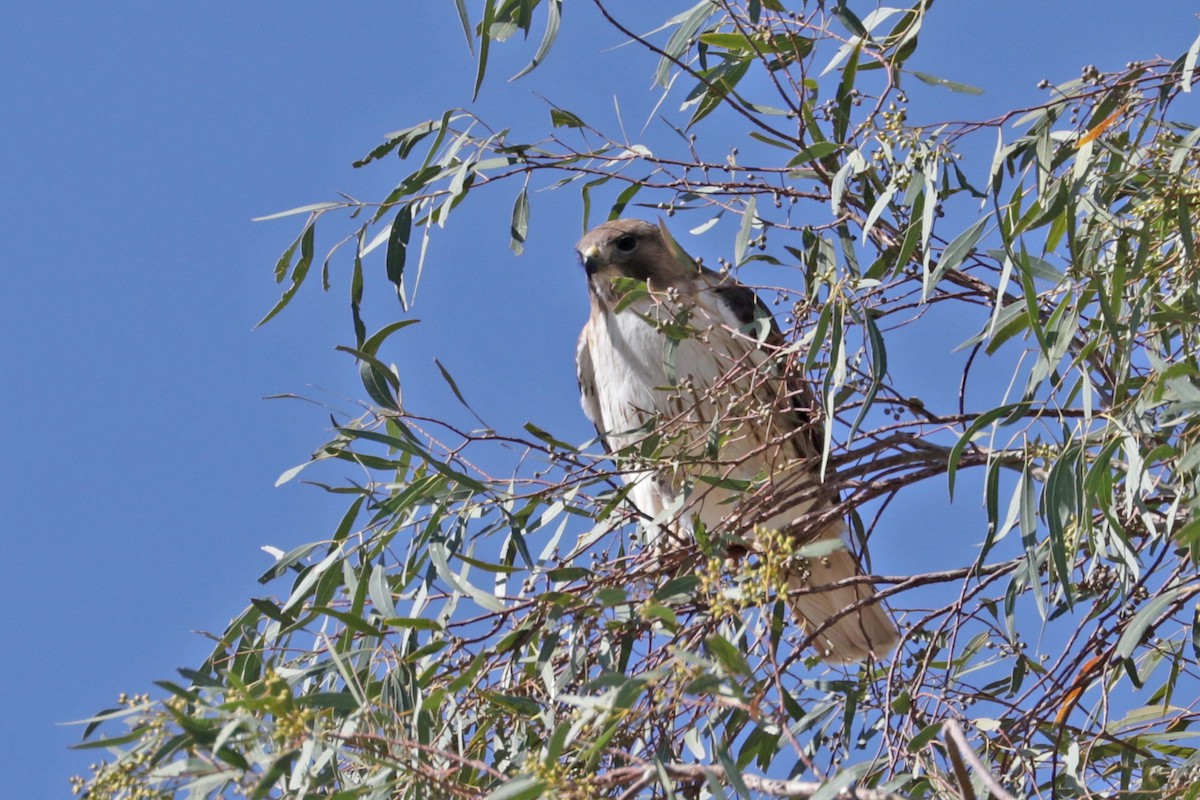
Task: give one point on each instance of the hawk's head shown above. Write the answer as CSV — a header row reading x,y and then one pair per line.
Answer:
x,y
632,248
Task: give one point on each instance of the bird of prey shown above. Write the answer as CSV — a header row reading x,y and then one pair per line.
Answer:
x,y
677,361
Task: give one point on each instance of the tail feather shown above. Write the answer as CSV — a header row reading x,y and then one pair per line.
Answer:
x,y
866,632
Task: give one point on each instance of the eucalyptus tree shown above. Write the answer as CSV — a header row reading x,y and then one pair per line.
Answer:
x,y
501,632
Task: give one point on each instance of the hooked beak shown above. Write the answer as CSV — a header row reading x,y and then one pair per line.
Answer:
x,y
591,260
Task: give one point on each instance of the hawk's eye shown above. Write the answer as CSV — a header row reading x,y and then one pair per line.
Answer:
x,y
626,243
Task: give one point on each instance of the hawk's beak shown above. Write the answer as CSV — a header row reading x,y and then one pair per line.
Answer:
x,y
591,260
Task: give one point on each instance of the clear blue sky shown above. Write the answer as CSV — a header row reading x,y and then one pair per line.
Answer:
x,y
137,142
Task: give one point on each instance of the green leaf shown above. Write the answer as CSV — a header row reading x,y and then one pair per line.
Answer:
x,y
523,706
485,41
381,383
687,25
1144,619
631,290
733,774
487,566
397,249
716,84
403,141
372,344
677,590
1184,218
953,86
623,199
548,437
879,368
561,118
438,555
273,611
655,611
788,45
837,187
955,253
301,210
524,787
558,740
413,623
289,560
844,99
380,591
612,596
924,737
454,388
553,20
1062,498
513,16
686,263
1008,412
111,741
1189,65
877,209
848,18
299,272
729,656
1196,632
791,48
814,152
842,783
782,145
465,21
742,243
273,775
351,621
520,222
356,291
729,41
568,573
586,194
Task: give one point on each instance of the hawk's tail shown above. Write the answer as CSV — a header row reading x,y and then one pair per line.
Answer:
x,y
865,632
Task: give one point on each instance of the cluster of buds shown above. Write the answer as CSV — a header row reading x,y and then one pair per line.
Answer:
x,y
126,778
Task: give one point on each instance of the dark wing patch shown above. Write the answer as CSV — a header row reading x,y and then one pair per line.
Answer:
x,y
749,311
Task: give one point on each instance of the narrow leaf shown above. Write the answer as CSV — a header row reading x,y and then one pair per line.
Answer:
x,y
553,19
954,86
485,41
623,200
299,272
397,249
301,210
465,21
520,222
1189,65
742,243
814,152
371,345
956,252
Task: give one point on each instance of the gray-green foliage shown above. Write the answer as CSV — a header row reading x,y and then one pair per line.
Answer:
x,y
461,635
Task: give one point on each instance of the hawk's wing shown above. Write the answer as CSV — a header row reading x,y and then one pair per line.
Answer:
x,y
741,309
588,398
839,636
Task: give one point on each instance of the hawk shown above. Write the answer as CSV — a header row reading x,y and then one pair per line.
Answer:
x,y
676,372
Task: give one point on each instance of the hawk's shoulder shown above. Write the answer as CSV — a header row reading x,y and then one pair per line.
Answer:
x,y
743,309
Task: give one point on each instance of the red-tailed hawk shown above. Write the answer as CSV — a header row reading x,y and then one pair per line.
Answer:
x,y
678,378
